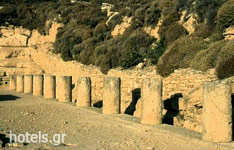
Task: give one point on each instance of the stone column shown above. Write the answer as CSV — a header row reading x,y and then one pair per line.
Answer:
x,y
111,95
64,88
56,87
84,92
12,82
20,83
38,85
28,83
49,86
151,109
217,112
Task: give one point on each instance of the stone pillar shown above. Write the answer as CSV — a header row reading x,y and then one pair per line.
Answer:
x,y
84,92
20,83
38,85
64,88
111,95
12,82
151,109
28,83
56,87
217,112
49,86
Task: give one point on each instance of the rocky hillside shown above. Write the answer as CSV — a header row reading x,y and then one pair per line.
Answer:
x,y
171,34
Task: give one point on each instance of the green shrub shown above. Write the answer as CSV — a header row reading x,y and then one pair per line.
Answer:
x,y
87,34
174,32
202,30
225,16
207,58
86,38
134,49
225,61
207,9
130,58
101,28
216,36
155,52
170,22
179,54
166,6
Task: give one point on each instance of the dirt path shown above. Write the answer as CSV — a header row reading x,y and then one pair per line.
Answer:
x,y
89,129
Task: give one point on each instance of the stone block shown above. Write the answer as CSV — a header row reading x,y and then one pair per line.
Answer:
x,y
64,88
217,112
49,86
20,83
111,95
151,101
38,85
84,92
28,83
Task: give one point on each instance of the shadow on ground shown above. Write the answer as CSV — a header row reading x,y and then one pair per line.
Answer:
x,y
8,97
4,139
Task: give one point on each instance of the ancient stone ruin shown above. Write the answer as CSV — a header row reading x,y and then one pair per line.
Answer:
x,y
217,100
187,98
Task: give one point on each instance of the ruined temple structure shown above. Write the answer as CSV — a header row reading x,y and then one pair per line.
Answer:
x,y
187,98
217,112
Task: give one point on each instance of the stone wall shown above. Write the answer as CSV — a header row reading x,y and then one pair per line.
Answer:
x,y
184,80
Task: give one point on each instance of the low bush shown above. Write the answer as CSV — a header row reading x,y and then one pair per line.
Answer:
x,y
203,30
179,54
87,38
225,61
135,48
174,31
170,24
225,16
207,58
155,52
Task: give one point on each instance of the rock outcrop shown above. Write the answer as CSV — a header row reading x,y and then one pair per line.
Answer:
x,y
120,28
12,36
229,33
188,21
37,39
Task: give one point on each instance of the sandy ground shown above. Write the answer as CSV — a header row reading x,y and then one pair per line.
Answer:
x,y
88,128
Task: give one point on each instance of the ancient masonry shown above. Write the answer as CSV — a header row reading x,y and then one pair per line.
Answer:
x,y
217,112
217,101
111,95
151,101
27,52
184,98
